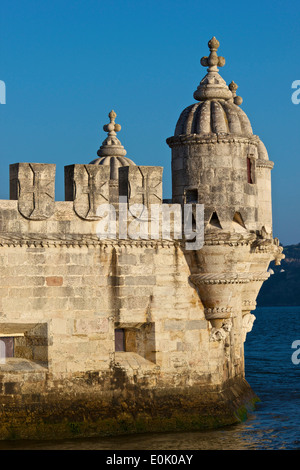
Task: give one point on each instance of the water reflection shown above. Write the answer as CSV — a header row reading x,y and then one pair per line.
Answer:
x,y
244,436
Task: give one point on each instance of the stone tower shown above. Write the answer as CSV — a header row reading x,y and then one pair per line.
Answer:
x,y
133,329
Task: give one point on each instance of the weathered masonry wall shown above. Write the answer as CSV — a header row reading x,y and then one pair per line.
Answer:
x,y
63,294
72,296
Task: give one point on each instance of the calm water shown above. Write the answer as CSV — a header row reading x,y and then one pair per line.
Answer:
x,y
271,373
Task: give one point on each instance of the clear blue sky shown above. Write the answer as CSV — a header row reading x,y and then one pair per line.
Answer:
x,y
66,64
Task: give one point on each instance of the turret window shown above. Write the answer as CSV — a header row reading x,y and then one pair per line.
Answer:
x,y
191,196
250,175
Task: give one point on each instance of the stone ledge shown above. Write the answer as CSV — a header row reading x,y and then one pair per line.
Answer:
x,y
19,364
132,360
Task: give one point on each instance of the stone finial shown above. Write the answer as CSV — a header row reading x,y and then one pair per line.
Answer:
x,y
236,99
213,60
112,152
111,146
212,86
112,127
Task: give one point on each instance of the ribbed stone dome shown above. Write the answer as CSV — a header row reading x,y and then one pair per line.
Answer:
x,y
114,162
217,110
213,117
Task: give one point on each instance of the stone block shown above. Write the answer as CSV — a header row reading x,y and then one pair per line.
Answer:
x,y
196,325
140,280
54,280
173,325
90,326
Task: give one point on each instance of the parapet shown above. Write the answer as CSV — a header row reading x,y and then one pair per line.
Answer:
x,y
86,185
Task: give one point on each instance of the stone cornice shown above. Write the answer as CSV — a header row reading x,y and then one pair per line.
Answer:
x,y
38,240
191,139
8,239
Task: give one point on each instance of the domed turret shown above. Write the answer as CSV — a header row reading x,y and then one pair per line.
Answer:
x,y
216,158
217,161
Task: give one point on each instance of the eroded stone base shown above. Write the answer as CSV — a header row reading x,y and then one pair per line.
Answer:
x,y
128,411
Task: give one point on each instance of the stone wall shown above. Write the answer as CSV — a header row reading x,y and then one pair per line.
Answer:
x,y
65,290
63,293
71,295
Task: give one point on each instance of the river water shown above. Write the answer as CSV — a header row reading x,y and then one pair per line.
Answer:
x,y
273,373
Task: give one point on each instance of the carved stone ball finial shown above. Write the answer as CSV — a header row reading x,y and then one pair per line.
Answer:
x,y
236,99
212,86
112,127
233,87
111,146
213,60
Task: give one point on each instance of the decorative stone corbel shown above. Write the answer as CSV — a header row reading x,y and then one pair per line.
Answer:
x,y
277,250
247,324
220,334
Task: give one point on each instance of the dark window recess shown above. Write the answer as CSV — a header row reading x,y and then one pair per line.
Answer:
x,y
119,339
249,171
191,196
6,346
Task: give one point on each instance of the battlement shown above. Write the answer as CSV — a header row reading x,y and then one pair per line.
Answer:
x,y
87,186
97,207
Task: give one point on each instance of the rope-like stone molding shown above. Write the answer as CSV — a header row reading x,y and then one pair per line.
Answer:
x,y
228,238
89,240
215,242
217,312
264,164
228,278
11,240
249,303
190,139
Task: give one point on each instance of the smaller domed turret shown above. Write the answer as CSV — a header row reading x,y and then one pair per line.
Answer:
x,y
112,152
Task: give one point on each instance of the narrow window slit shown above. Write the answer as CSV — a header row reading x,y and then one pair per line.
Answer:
x,y
249,171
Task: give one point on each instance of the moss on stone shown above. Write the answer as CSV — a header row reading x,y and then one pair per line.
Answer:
x,y
166,411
